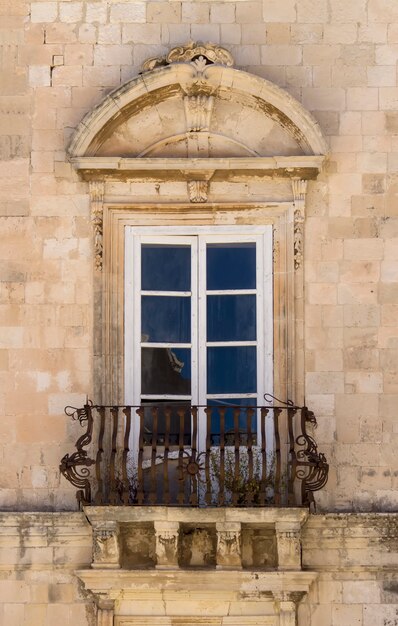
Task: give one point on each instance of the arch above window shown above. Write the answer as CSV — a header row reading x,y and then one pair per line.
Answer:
x,y
190,111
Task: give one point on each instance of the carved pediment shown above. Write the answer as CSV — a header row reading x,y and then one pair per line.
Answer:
x,y
199,54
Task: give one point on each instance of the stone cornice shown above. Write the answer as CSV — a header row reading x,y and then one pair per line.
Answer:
x,y
119,168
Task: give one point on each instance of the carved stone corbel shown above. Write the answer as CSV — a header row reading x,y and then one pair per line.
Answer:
x,y
106,551
229,555
167,536
288,538
97,206
299,192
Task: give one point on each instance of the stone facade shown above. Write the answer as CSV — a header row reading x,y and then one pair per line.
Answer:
x,y
338,59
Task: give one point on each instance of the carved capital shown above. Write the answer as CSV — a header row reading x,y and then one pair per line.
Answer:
x,y
105,612
97,206
106,552
299,188
229,555
288,539
167,537
286,606
198,190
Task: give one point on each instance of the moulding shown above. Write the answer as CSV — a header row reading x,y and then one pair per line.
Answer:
x,y
119,168
97,207
201,584
299,188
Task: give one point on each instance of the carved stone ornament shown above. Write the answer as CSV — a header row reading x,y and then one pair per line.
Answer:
x,y
198,110
229,546
97,199
198,54
167,535
299,191
198,190
106,546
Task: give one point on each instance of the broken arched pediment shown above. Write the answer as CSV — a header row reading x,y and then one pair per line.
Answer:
x,y
192,104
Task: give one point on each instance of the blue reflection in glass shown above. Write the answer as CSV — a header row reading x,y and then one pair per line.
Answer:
x,y
231,318
166,318
229,421
231,266
165,268
166,371
231,369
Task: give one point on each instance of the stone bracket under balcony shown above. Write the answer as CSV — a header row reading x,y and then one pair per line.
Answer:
x,y
177,537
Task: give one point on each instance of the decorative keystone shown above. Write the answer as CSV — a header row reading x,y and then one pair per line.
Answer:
x,y
229,554
106,551
288,537
167,535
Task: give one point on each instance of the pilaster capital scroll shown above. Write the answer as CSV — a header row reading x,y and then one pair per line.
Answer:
x,y
97,188
299,188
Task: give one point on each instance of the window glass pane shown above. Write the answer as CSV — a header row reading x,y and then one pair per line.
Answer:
x,y
231,318
238,406
165,268
165,318
231,266
166,371
231,369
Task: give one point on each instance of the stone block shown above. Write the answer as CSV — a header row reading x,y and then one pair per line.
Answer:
x,y
60,33
43,12
223,13
342,11
274,11
141,33
324,98
281,55
110,34
382,11
96,12
108,55
128,12
71,12
163,12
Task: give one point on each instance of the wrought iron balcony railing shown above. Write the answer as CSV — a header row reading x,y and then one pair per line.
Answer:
x,y
176,454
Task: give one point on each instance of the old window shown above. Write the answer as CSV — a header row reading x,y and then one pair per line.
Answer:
x,y
198,317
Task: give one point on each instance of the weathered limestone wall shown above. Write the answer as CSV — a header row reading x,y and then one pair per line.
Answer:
x,y
355,557
339,59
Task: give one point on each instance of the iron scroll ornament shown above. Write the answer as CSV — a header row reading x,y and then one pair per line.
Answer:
x,y
311,466
75,467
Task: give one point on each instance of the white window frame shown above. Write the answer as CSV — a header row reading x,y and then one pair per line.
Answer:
x,y
198,237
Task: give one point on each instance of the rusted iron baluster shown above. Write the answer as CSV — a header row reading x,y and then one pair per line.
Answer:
x,y
292,463
249,491
181,432
263,483
99,496
113,496
126,483
193,499
208,411
278,464
221,493
140,473
153,490
237,477
166,455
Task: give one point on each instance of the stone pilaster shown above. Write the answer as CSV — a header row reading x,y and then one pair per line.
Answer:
x,y
106,550
105,612
288,539
287,608
229,554
167,536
